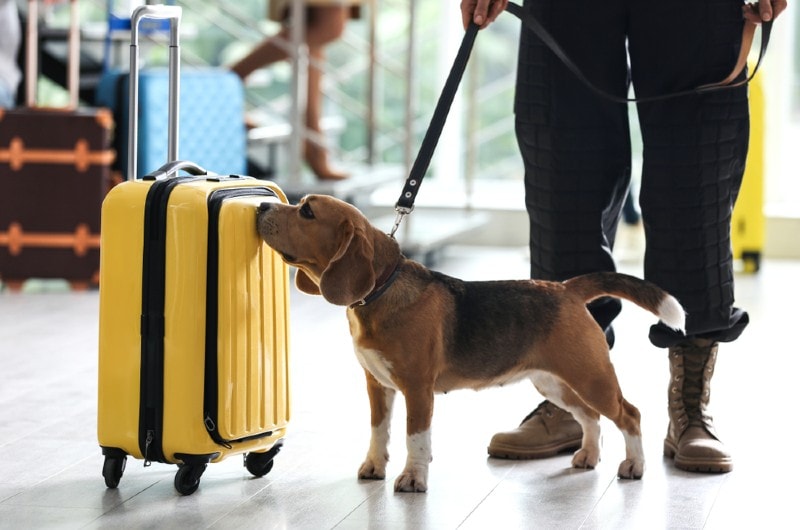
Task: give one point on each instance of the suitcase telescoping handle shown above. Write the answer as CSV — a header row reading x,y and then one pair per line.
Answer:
x,y
173,14
32,54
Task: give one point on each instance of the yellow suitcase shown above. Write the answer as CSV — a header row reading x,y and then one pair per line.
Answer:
x,y
748,220
193,335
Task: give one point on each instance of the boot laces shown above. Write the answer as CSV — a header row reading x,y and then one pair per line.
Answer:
x,y
697,371
545,409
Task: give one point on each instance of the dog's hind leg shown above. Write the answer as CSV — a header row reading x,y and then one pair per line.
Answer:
x,y
588,456
591,396
630,425
604,396
381,401
555,390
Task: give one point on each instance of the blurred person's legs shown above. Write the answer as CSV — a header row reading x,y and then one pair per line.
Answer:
x,y
7,96
324,24
10,40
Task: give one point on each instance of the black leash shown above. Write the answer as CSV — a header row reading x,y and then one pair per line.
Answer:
x,y
405,204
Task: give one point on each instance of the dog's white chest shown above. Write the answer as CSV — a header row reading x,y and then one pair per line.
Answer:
x,y
374,363
371,360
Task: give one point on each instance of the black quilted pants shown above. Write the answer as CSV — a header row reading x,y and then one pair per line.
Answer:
x,y
577,152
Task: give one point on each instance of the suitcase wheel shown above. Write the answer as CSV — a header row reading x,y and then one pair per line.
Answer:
x,y
259,464
187,479
752,261
113,468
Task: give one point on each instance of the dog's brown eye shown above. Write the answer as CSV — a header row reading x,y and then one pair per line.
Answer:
x,y
305,211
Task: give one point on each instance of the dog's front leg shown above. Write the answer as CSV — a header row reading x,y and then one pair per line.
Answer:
x,y
419,406
381,400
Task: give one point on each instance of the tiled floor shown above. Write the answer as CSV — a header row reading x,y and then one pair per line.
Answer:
x,y
50,464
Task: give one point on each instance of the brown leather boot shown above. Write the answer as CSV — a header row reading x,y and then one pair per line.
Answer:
x,y
691,439
545,432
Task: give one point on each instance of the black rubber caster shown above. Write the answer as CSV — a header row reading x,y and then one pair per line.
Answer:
x,y
113,468
259,464
187,479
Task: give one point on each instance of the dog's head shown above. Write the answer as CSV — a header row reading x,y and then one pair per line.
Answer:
x,y
333,246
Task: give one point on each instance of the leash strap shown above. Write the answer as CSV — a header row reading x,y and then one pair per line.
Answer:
x,y
405,204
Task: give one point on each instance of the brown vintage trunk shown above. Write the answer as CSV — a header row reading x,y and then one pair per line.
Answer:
x,y
54,173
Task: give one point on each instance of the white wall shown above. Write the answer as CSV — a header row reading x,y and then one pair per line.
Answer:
x,y
782,128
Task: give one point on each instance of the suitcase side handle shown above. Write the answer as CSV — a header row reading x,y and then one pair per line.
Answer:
x,y
173,14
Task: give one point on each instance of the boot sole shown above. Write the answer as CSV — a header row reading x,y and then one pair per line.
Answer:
x,y
697,465
545,451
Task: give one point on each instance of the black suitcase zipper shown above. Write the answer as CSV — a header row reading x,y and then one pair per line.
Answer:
x,y
211,383
151,394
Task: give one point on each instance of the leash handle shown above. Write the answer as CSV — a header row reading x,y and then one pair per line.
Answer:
x,y
405,205
530,22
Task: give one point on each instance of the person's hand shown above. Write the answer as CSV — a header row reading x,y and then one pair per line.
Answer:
x,y
482,12
763,11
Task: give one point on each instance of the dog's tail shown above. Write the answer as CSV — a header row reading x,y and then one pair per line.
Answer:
x,y
642,293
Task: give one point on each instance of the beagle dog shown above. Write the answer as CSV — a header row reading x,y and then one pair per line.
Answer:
x,y
420,332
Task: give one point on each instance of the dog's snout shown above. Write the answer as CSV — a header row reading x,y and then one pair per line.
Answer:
x,y
265,222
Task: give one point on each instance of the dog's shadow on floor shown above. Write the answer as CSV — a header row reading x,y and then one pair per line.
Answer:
x,y
557,471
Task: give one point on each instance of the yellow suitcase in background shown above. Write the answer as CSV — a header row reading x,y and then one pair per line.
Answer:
x,y
748,222
193,335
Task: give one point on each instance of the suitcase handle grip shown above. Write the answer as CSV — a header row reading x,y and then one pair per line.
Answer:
x,y
173,14
171,168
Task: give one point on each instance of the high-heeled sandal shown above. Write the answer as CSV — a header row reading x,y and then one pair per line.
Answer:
x,y
317,159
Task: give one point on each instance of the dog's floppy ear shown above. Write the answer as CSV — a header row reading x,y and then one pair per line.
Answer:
x,y
349,276
304,282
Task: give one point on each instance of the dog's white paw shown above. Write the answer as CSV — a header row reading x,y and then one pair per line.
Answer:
x,y
373,469
585,458
631,469
413,479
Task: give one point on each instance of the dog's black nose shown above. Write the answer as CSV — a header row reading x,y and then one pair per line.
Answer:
x,y
264,207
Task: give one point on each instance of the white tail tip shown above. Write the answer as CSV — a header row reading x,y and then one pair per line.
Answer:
x,y
672,314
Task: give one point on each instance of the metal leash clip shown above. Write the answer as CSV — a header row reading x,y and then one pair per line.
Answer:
x,y
402,211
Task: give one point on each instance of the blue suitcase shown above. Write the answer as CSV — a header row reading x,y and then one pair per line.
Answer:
x,y
212,131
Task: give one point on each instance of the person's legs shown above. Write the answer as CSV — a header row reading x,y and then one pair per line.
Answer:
x,y
576,151
267,52
324,24
7,96
575,146
694,154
